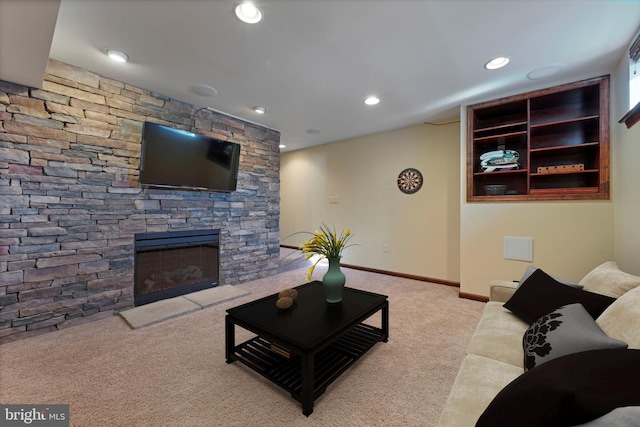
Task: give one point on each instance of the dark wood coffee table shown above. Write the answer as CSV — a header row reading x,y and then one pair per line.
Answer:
x,y
305,348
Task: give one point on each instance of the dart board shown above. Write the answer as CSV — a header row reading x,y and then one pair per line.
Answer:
x,y
410,180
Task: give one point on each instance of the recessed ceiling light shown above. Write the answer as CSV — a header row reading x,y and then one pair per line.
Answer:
x,y
282,146
248,12
259,110
117,55
372,100
496,63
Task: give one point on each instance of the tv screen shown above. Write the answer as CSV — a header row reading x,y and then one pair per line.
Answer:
x,y
177,158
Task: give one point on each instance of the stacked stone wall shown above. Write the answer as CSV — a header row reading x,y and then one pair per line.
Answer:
x,y
70,200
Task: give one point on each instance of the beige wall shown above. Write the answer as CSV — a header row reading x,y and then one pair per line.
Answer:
x,y
569,239
626,175
422,230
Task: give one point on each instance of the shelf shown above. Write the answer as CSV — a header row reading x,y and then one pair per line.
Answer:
x,y
533,175
502,126
329,363
566,134
572,103
502,198
491,138
564,121
561,116
564,190
498,115
565,147
558,126
510,172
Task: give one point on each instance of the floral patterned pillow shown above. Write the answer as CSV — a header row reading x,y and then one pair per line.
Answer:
x,y
566,330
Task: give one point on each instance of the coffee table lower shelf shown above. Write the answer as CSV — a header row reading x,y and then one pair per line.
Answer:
x,y
329,363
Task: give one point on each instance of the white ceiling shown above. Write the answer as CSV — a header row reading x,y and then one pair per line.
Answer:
x,y
312,63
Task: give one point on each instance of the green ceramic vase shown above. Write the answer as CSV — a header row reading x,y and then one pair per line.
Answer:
x,y
333,281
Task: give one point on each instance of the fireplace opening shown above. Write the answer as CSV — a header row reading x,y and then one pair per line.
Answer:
x,y
175,263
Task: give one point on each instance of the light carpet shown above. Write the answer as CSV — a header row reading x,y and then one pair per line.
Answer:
x,y
174,373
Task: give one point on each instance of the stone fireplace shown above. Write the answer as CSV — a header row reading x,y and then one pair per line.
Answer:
x,y
71,202
175,263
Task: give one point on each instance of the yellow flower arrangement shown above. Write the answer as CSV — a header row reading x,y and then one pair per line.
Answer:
x,y
326,243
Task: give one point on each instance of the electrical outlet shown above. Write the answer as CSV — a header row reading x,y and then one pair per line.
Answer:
x,y
385,248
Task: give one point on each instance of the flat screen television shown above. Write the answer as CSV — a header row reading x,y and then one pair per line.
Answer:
x,y
179,159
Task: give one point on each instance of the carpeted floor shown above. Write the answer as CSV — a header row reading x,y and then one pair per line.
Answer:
x,y
174,373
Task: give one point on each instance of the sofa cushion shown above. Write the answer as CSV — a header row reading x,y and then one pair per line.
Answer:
x,y
621,319
499,335
541,294
569,390
502,290
608,279
479,380
530,269
569,329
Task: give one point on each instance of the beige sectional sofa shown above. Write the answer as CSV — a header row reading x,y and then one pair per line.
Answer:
x,y
495,356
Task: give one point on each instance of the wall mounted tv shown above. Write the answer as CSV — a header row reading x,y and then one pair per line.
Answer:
x,y
179,159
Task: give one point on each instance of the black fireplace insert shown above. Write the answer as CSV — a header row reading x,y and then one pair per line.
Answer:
x,y
175,263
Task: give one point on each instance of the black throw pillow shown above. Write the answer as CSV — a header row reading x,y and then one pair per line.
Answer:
x,y
568,391
541,294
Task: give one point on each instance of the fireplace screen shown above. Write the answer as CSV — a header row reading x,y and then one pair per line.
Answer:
x,y
173,264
